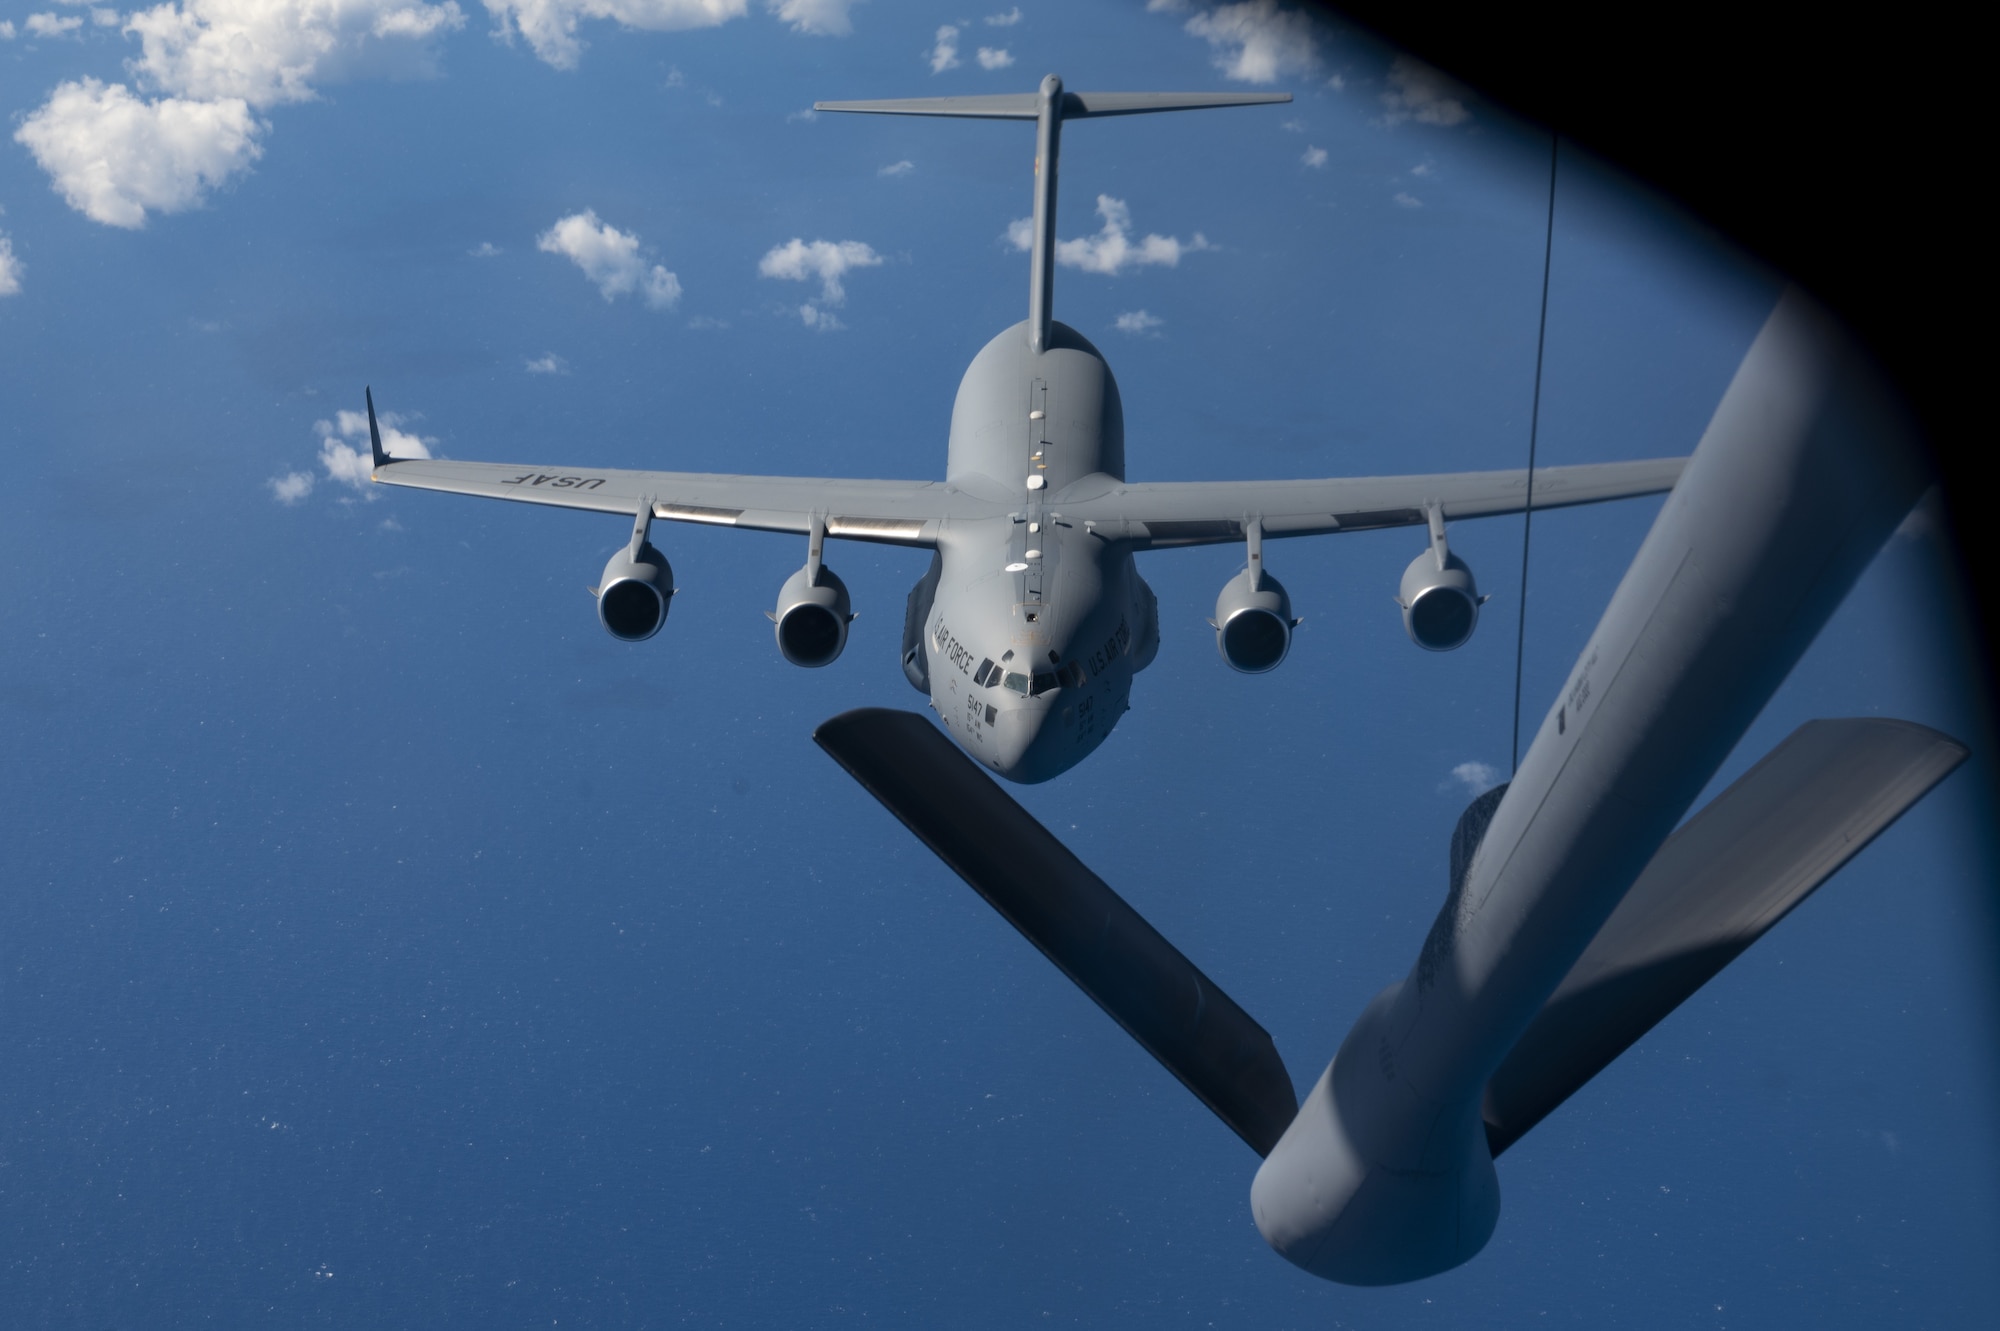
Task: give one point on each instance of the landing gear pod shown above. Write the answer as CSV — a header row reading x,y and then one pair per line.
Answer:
x,y
1440,604
812,617
1253,622
633,594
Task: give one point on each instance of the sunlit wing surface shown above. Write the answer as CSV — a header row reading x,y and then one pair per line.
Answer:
x,y
1160,514
1147,515
895,512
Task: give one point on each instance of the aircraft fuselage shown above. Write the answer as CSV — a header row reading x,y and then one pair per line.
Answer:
x,y
1035,624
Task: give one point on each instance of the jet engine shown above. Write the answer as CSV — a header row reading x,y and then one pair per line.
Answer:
x,y
1253,621
1440,603
632,595
812,616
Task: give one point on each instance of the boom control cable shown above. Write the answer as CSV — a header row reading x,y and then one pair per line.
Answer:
x,y
1534,432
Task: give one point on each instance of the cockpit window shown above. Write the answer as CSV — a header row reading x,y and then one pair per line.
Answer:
x,y
985,675
1017,681
1072,675
1045,682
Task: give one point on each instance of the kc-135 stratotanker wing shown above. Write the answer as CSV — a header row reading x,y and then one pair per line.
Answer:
x,y
1031,621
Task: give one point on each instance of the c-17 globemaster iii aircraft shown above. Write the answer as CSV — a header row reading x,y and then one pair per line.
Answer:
x,y
1032,620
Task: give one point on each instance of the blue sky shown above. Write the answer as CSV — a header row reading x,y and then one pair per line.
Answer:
x,y
382,943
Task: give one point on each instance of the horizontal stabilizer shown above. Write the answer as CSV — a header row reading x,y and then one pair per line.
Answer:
x,y
1079,923
1716,885
1075,105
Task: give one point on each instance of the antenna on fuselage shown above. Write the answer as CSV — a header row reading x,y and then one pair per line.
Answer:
x,y
1049,107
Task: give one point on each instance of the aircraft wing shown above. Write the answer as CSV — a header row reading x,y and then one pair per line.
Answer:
x,y
1156,515
892,512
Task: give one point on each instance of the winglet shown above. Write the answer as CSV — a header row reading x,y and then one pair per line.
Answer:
x,y
374,434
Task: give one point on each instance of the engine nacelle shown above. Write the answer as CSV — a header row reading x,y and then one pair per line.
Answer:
x,y
1253,622
633,594
1440,605
812,617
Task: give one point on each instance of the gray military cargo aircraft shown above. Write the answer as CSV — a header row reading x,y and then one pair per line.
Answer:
x,y
1031,621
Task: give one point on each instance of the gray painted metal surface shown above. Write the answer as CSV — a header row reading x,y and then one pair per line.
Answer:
x,y
1037,618
1386,1174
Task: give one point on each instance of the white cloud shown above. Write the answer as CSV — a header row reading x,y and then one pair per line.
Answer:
x,y
115,156
1006,20
1418,92
269,52
1139,323
829,261
807,114
1408,200
548,364
819,320
106,18
945,54
1167,6
345,453
703,321
290,488
112,157
550,25
1256,41
49,25
610,258
902,168
6,30
820,18
1294,125
1112,249
989,58
1314,157
486,249
1477,778
1423,170
11,267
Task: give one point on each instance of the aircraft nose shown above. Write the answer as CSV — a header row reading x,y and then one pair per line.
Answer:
x,y
1023,748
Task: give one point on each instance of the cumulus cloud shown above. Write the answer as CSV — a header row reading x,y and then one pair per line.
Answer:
x,y
820,18
989,58
1314,157
345,454
50,25
902,168
1139,323
6,30
945,54
548,364
269,52
113,156
1256,41
11,268
1006,20
829,261
205,67
807,114
1112,249
485,249
1294,126
1418,92
819,320
290,488
610,258
549,26
1476,778
1408,200
106,18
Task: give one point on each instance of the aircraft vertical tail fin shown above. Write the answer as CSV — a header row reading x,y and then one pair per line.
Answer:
x,y
1049,107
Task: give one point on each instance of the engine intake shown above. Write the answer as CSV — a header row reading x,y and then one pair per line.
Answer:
x,y
633,594
1253,622
1440,603
812,617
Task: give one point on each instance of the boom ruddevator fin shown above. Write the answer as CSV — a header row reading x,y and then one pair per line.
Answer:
x,y
1140,980
1715,887
1049,107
